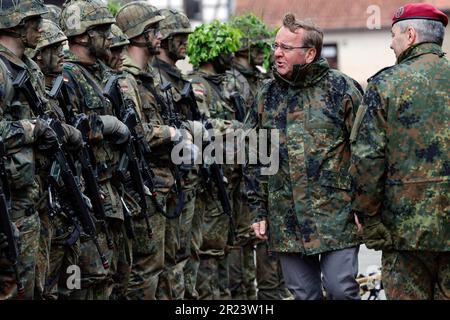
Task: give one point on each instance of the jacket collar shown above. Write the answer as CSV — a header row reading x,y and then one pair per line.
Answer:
x,y
418,50
305,75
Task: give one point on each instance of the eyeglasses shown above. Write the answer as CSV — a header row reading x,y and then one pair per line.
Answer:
x,y
285,47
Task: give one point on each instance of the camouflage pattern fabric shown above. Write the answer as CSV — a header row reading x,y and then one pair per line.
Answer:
x,y
17,134
401,136
138,88
308,201
416,275
213,92
179,230
84,87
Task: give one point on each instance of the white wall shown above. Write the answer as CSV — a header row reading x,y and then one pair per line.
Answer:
x,y
361,54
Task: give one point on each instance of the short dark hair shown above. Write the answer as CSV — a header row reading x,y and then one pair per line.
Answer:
x,y
313,36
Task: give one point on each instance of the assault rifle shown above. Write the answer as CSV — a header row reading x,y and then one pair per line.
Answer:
x,y
12,251
61,168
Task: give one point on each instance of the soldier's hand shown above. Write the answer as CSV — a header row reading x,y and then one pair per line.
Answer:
x,y
197,130
376,236
45,137
260,229
72,137
115,129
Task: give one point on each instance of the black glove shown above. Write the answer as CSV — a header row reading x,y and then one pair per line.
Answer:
x,y
375,235
72,137
45,137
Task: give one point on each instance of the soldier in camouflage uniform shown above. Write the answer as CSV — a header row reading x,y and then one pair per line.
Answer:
x,y
182,234
59,245
23,137
243,271
117,48
304,210
400,159
139,21
212,91
87,24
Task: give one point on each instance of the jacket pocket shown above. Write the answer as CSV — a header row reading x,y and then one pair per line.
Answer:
x,y
20,168
337,180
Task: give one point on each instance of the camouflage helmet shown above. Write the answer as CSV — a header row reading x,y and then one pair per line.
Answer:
x,y
119,38
52,34
135,16
175,22
78,16
53,14
12,12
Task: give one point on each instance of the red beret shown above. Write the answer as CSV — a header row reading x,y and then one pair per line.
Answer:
x,y
419,11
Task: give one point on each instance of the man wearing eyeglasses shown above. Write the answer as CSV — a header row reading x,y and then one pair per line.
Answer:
x,y
304,209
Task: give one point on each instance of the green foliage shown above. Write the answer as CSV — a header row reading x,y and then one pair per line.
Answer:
x,y
208,41
113,7
268,50
255,31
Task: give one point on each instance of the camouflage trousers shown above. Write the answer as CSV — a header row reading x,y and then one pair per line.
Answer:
x,y
212,277
269,276
242,265
242,271
96,281
416,275
43,255
148,255
29,231
62,257
193,263
177,247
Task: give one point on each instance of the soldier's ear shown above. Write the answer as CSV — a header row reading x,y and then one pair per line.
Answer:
x,y
311,54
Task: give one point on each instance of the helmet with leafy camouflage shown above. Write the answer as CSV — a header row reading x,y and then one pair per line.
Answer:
x,y
254,30
134,17
53,14
79,16
209,41
175,22
13,12
119,38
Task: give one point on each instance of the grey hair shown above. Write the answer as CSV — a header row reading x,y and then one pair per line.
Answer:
x,y
427,30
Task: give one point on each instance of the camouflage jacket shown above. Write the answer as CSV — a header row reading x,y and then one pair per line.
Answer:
x,y
139,88
16,130
212,92
167,73
251,80
401,150
307,201
85,85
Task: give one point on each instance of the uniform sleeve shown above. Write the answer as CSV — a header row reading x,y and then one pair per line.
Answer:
x,y
155,132
15,134
256,183
368,144
352,101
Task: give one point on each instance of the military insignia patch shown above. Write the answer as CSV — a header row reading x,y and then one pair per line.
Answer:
x,y
399,12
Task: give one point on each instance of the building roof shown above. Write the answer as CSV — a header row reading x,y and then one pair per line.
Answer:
x,y
329,15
